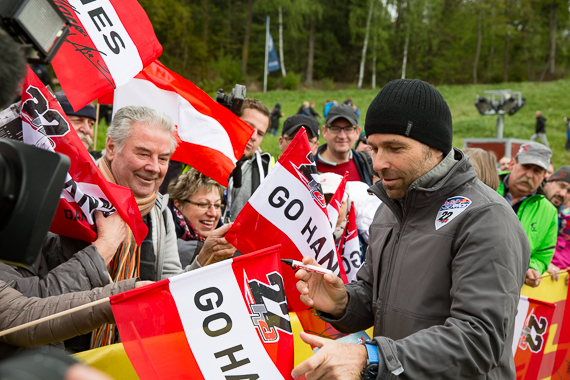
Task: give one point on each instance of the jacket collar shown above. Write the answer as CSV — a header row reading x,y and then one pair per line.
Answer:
x,y
161,201
436,174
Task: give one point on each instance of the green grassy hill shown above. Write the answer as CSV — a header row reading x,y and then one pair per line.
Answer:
x,y
552,98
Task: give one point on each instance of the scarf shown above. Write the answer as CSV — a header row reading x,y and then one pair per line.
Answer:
x,y
125,263
184,229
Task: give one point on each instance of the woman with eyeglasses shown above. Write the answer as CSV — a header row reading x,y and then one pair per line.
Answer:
x,y
195,202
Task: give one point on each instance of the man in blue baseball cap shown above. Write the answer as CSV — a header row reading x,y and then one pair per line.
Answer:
x,y
83,120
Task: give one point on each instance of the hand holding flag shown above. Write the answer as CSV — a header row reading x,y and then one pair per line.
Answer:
x,y
216,247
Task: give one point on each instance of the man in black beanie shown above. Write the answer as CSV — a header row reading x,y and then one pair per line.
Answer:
x,y
445,265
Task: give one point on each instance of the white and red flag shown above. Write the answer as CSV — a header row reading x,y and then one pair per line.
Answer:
x,y
210,137
45,125
349,247
289,208
333,208
110,41
532,329
228,320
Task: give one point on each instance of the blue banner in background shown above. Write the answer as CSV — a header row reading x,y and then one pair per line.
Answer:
x,y
273,62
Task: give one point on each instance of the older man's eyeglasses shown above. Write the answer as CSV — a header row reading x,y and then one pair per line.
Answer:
x,y
204,206
335,129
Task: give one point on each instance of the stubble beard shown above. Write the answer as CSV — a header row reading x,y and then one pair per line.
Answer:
x,y
422,167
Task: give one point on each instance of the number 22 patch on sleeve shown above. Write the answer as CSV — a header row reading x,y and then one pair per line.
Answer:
x,y
450,209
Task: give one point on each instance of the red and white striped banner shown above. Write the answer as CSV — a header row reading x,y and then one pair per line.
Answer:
x,y
110,42
211,138
228,320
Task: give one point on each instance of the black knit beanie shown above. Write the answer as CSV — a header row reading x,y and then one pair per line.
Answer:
x,y
411,108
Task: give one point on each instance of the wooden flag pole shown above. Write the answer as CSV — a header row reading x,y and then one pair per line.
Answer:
x,y
54,316
207,262
551,274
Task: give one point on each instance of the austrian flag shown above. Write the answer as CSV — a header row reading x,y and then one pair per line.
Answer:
x,y
211,138
228,320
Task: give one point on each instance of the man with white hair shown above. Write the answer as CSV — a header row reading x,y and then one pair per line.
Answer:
x,y
140,141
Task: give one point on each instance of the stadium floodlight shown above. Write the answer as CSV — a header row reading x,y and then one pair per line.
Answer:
x,y
500,102
485,106
39,23
519,104
509,104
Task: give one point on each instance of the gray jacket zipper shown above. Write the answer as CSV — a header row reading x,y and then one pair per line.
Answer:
x,y
392,260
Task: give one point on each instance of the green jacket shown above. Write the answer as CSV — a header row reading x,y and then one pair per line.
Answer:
x,y
539,219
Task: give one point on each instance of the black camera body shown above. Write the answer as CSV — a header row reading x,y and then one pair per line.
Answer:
x,y
233,101
31,180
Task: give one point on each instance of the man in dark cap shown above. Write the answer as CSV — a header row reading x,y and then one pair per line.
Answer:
x,y
293,124
341,131
83,120
445,264
520,187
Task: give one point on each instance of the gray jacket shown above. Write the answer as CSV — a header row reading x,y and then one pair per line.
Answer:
x,y
442,301
17,309
65,265
188,251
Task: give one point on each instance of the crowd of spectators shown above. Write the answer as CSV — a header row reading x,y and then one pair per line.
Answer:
x,y
188,222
